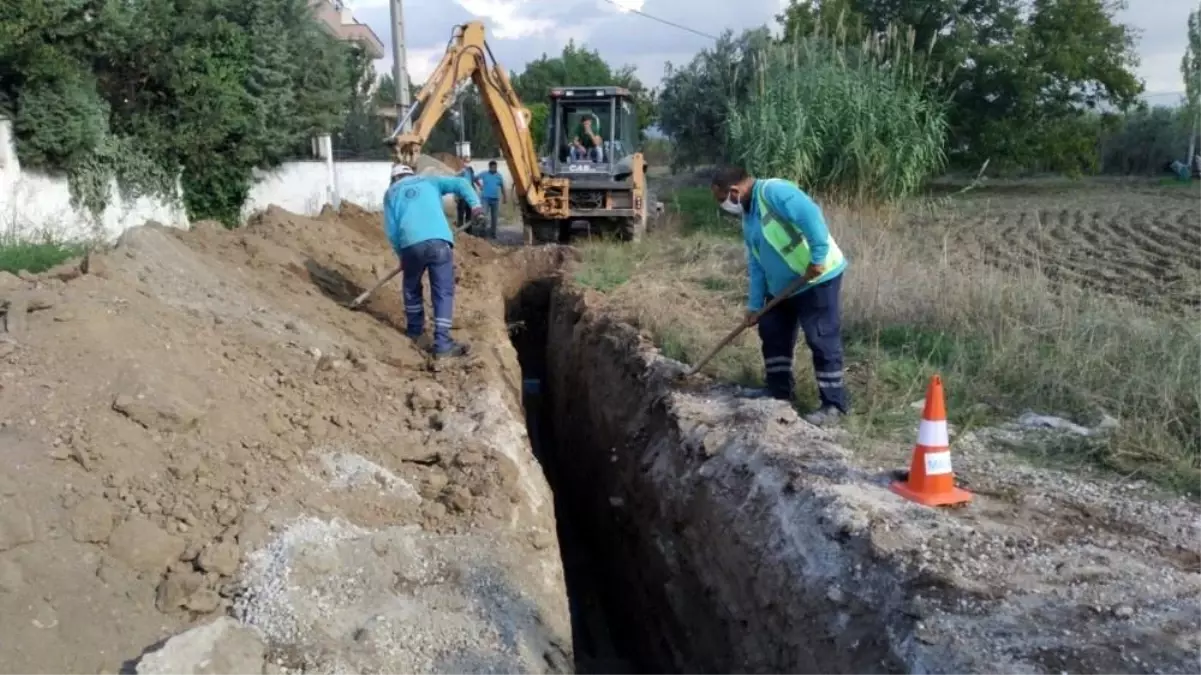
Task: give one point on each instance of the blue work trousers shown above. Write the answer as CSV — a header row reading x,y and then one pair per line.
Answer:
x,y
462,212
817,313
436,257
492,205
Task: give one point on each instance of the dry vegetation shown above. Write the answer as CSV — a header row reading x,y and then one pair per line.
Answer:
x,y
996,310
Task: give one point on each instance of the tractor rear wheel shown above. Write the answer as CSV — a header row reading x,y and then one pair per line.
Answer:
x,y
633,229
541,231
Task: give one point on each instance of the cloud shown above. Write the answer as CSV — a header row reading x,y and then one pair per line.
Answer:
x,y
520,31
510,19
628,5
1161,24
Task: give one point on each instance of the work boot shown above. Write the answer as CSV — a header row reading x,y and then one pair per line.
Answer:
x,y
826,415
455,349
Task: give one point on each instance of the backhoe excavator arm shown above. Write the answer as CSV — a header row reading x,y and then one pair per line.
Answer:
x,y
467,56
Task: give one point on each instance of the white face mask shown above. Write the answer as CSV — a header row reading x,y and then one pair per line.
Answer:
x,y
731,207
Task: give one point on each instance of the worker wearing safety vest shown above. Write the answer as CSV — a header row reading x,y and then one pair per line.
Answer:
x,y
786,238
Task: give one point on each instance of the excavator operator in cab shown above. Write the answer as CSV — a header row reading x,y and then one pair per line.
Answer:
x,y
421,236
587,143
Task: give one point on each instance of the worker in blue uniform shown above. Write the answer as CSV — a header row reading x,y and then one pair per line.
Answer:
x,y
420,235
786,238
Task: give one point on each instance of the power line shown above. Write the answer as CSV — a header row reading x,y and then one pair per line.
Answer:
x,y
662,21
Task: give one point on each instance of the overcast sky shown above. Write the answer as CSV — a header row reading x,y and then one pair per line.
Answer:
x,y
522,30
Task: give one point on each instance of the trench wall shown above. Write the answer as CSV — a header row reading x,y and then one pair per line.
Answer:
x,y
721,557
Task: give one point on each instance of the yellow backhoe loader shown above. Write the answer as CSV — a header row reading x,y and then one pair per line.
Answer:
x,y
593,180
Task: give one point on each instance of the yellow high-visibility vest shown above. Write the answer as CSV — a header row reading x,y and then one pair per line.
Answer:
x,y
788,240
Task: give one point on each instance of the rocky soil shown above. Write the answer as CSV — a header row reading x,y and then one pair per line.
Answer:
x,y
192,425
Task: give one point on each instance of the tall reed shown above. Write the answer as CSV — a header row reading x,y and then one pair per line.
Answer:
x,y
853,120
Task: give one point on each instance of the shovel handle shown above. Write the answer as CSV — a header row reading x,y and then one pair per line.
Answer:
x,y
391,275
368,293
788,292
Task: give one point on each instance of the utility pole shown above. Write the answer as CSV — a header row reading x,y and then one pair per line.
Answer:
x,y
462,124
400,73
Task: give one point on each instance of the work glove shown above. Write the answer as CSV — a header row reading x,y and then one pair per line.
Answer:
x,y
476,223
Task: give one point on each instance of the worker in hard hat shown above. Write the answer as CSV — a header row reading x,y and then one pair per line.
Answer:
x,y
421,237
786,237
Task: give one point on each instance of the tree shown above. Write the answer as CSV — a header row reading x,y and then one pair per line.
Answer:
x,y
693,101
1019,73
362,135
539,113
1190,68
577,65
144,91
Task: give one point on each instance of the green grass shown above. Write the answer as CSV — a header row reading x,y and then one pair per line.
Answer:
x,y
1003,342
35,256
698,214
1177,183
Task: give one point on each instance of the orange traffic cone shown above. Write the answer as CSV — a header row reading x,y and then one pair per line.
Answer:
x,y
931,481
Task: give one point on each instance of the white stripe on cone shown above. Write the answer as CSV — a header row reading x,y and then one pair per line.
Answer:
x,y
933,434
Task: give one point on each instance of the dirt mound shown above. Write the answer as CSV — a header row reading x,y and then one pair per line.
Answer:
x,y
451,162
196,425
438,165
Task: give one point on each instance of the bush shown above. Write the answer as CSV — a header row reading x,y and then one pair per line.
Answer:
x,y
1145,141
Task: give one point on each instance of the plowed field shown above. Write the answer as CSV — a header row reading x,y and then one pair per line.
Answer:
x,y
1137,242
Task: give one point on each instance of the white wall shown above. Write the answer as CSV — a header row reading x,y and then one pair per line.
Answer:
x,y
302,187
33,204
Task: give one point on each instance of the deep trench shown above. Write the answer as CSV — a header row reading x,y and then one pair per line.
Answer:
x,y
606,638
684,552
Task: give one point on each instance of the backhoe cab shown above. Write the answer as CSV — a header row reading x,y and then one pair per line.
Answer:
x,y
591,138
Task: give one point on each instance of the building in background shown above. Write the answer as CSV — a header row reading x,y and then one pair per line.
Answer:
x,y
337,17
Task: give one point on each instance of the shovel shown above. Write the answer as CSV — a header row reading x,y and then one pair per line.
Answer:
x,y
358,302
788,292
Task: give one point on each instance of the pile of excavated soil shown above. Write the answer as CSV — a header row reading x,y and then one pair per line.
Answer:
x,y
191,425
438,165
445,161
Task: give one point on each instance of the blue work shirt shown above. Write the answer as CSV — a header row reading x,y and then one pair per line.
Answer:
x,y
468,173
769,273
494,184
413,209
